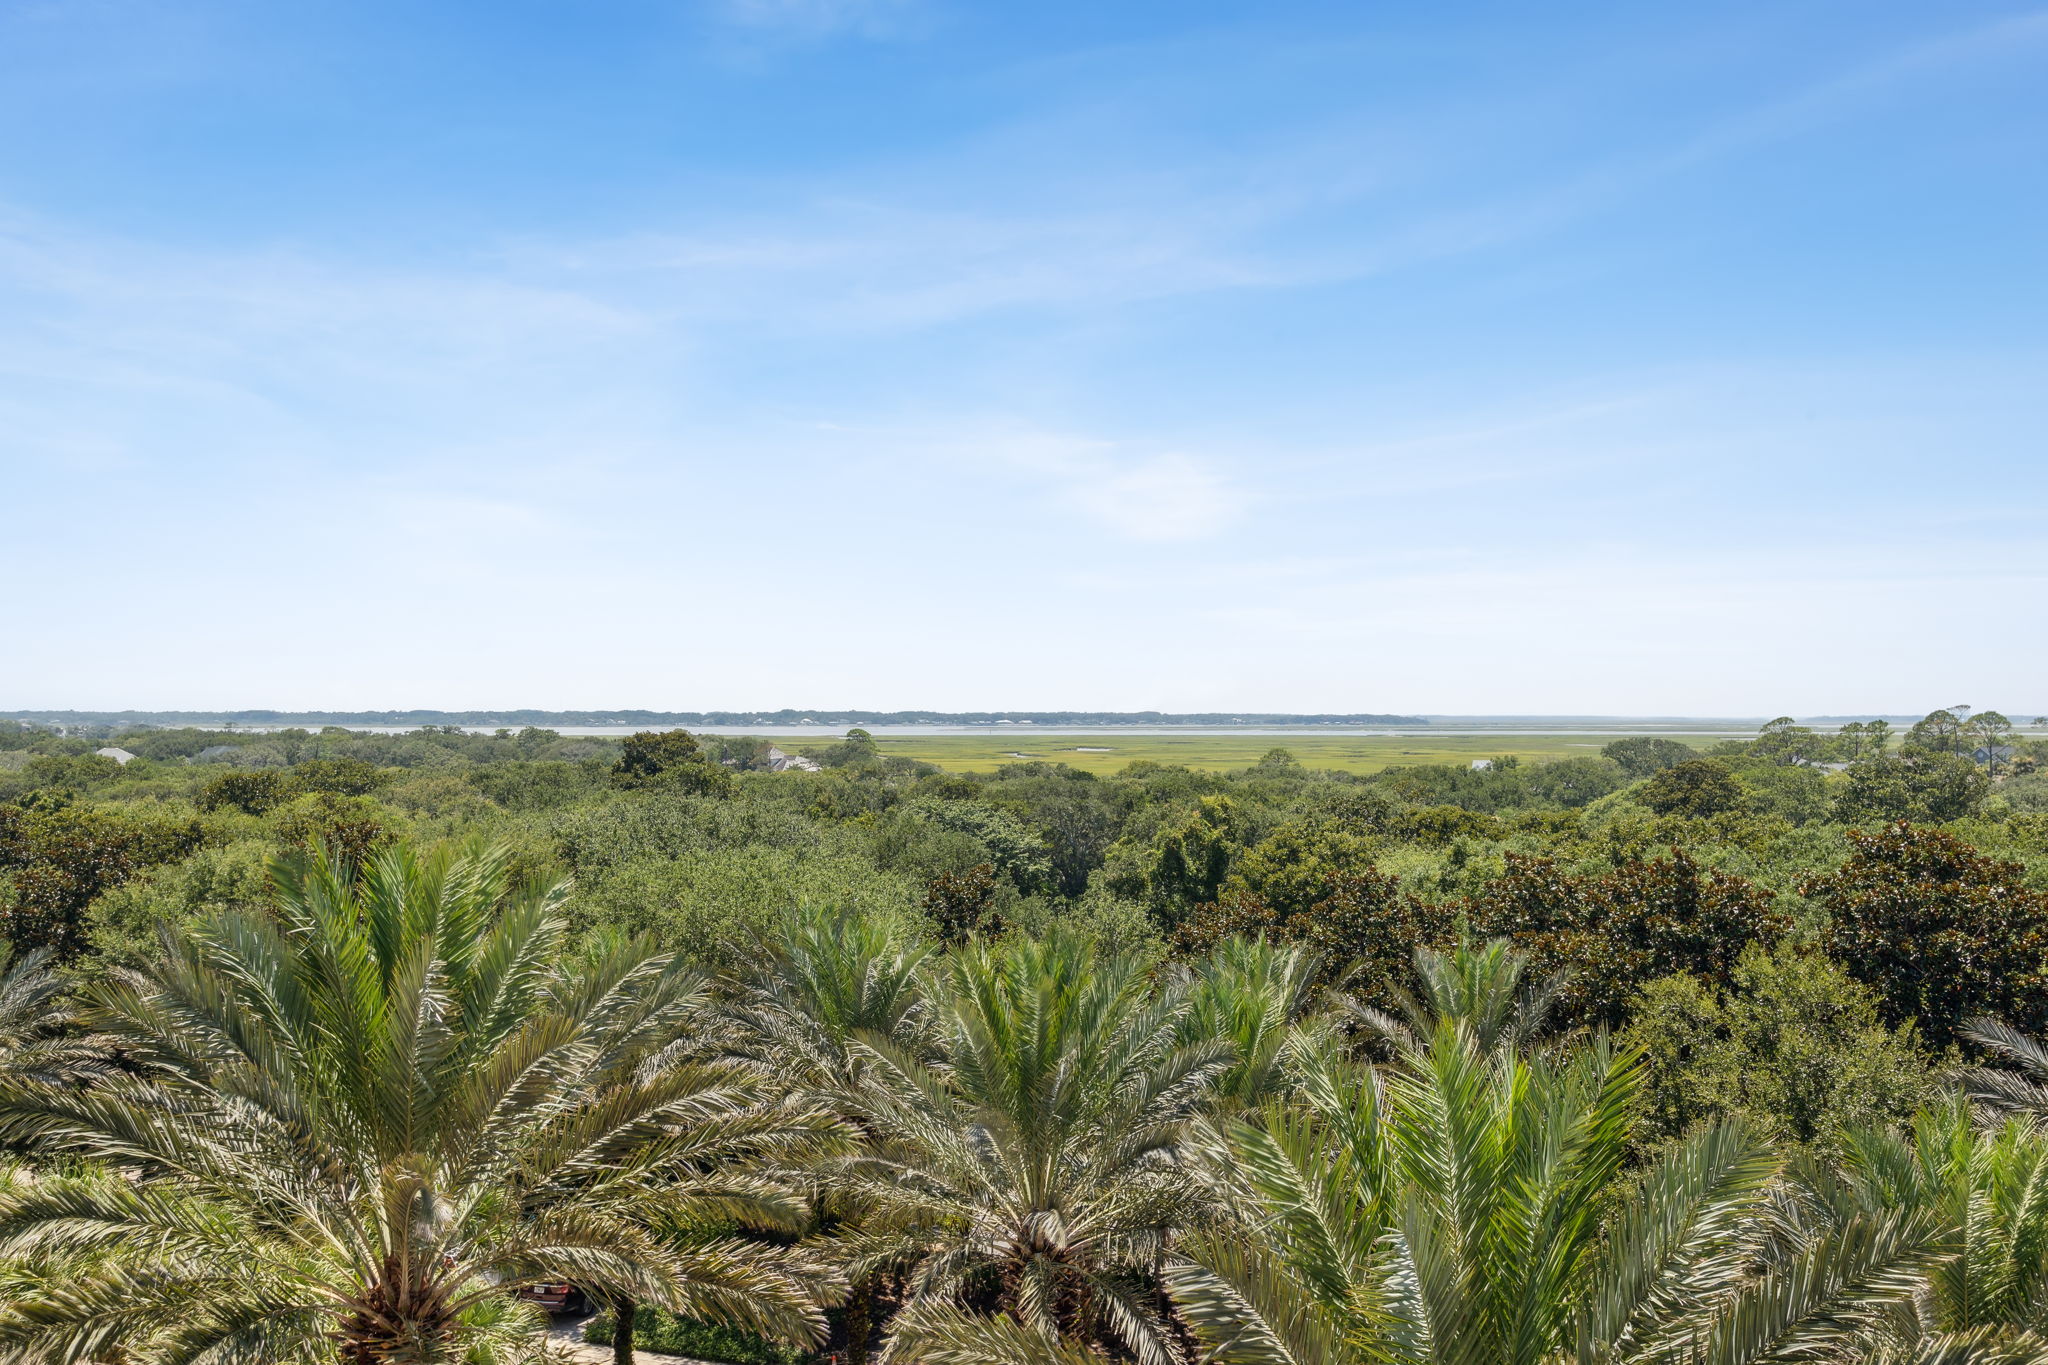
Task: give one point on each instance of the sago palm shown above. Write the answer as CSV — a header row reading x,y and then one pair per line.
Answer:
x,y
1027,1181
1470,1204
358,1124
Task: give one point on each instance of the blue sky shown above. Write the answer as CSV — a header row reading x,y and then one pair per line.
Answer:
x,y
1456,357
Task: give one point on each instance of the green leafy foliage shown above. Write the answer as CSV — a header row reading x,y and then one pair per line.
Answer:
x,y
60,858
711,904
1696,787
1191,858
1920,787
1368,928
350,827
1301,864
1940,932
1610,934
1013,849
341,776
669,759
656,1330
252,792
961,904
1647,755
1790,1044
1506,784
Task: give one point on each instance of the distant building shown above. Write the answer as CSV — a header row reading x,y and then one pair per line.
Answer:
x,y
780,762
121,756
1481,764
1996,753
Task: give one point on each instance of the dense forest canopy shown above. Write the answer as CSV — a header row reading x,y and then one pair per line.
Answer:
x,y
1025,1065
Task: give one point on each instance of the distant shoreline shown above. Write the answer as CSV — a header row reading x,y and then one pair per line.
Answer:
x,y
627,719
828,724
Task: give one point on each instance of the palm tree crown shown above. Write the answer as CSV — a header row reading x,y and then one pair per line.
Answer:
x,y
38,1040
1030,1170
360,1123
1470,1204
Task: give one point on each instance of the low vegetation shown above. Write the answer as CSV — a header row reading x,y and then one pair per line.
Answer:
x,y
322,1046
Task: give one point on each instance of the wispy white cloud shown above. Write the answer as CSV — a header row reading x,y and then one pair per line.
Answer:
x,y
115,353
838,265
2017,37
1136,494
1159,498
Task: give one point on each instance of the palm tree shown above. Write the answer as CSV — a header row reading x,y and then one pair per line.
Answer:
x,y
1026,1182
361,1123
825,983
39,1040
2019,1088
1470,1203
1986,1191
1482,990
1263,999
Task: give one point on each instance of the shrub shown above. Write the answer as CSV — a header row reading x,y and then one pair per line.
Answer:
x,y
1371,927
1646,755
251,792
123,922
63,857
961,904
352,826
342,776
1235,914
1940,932
1571,782
711,904
1696,787
1443,825
1921,787
518,784
1792,1044
1613,933
1302,863
77,773
1013,848
669,758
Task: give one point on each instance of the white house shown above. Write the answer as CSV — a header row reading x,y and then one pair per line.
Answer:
x,y
121,756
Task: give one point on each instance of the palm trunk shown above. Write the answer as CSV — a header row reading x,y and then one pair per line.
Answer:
x,y
396,1318
858,1321
623,1312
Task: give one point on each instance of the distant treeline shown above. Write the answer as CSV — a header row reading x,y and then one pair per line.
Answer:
x,y
786,716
